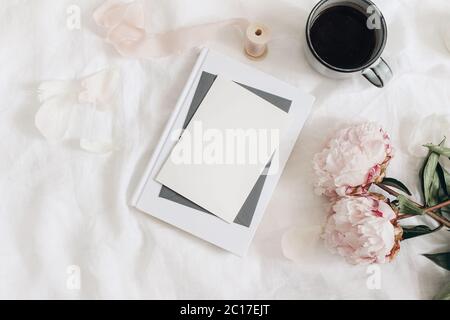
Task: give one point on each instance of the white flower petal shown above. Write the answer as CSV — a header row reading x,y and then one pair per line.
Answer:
x,y
52,89
97,146
101,88
300,244
53,118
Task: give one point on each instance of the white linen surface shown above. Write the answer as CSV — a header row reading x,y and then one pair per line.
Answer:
x,y
61,206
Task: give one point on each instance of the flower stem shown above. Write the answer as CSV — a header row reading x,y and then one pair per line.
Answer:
x,y
428,211
439,206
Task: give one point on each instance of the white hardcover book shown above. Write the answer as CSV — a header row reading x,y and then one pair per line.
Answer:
x,y
229,224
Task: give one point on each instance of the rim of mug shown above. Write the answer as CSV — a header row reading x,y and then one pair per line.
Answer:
x,y
326,64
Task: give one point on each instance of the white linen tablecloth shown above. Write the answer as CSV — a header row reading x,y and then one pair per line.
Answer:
x,y
63,207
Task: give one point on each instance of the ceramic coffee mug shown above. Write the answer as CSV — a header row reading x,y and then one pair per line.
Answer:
x,y
346,38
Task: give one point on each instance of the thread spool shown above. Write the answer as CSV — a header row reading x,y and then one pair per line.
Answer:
x,y
256,40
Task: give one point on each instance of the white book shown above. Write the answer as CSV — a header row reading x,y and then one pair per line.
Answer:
x,y
224,149
229,224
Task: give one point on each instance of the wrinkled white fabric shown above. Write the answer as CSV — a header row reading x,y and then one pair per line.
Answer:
x,y
446,34
61,207
432,129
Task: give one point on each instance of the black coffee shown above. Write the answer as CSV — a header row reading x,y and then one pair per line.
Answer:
x,y
340,37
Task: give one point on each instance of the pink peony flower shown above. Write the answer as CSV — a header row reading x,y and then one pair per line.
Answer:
x,y
363,229
354,159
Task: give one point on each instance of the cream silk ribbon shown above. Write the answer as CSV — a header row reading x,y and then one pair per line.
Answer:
x,y
125,30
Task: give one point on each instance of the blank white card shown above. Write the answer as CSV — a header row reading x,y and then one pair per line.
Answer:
x,y
224,149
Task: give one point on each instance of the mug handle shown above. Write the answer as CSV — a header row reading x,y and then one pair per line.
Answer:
x,y
379,74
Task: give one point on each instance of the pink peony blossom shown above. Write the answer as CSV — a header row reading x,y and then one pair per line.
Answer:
x,y
354,159
363,229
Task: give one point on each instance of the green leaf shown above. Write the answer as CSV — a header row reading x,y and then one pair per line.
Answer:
x,y
444,294
444,178
441,259
435,188
394,183
440,150
406,206
430,179
417,231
